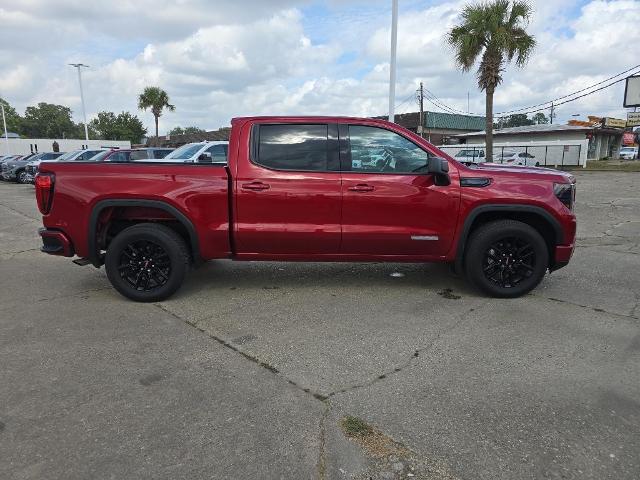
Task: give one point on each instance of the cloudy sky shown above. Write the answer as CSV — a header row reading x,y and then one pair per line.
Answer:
x,y
220,58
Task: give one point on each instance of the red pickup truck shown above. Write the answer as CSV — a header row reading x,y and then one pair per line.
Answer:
x,y
309,189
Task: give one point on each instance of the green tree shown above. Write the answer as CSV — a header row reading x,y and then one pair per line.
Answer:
x,y
124,126
540,119
155,99
185,130
14,121
515,120
47,120
495,34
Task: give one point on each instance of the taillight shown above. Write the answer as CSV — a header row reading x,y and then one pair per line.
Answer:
x,y
566,193
44,191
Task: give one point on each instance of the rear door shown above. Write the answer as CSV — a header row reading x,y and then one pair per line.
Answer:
x,y
391,205
288,196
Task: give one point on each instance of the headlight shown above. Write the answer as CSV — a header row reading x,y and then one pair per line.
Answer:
x,y
566,193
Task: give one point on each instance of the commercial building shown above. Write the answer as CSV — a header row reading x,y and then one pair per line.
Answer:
x,y
438,127
604,140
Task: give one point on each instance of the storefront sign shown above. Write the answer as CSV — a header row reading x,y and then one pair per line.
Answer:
x,y
628,138
633,119
615,122
632,92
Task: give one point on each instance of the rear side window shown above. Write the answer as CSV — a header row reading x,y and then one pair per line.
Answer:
x,y
293,147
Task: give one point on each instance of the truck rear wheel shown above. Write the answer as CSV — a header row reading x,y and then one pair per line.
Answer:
x,y
147,262
506,258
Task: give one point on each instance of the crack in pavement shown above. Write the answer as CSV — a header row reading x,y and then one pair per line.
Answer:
x,y
595,309
18,212
322,440
412,360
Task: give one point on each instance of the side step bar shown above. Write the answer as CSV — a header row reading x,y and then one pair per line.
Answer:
x,y
82,261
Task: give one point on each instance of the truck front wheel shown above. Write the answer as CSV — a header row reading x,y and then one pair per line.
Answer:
x,y
506,258
147,262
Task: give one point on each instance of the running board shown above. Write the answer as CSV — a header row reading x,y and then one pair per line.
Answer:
x,y
82,261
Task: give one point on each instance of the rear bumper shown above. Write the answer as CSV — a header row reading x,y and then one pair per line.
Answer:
x,y
562,256
55,242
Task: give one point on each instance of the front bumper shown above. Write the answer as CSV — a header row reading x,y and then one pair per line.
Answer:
x,y
55,242
562,256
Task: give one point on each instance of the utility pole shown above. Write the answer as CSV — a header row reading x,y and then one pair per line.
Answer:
x,y
552,112
421,101
392,63
84,111
4,121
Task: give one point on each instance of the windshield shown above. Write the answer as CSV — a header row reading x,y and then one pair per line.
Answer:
x,y
99,157
68,155
185,152
627,149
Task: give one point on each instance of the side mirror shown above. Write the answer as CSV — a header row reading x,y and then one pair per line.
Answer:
x,y
439,168
205,158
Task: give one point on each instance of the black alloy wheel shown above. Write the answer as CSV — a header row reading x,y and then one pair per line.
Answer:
x,y
506,258
147,262
145,265
509,261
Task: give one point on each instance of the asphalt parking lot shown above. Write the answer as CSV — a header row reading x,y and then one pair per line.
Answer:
x,y
249,371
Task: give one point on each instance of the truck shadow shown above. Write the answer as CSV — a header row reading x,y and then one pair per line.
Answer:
x,y
224,275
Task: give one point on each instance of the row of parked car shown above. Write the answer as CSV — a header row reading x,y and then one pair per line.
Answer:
x,y
509,157
23,168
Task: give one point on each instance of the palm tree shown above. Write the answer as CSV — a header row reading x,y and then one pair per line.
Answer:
x,y
156,99
495,33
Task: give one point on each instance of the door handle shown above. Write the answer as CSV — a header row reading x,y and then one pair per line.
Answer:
x,y
361,187
255,186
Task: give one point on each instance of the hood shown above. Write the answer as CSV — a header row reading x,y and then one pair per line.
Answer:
x,y
520,170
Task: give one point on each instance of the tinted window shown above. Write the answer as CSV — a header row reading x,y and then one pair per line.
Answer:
x,y
161,153
375,150
293,147
119,157
218,153
138,155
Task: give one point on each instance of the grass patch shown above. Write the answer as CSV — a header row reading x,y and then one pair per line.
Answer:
x,y
614,165
355,427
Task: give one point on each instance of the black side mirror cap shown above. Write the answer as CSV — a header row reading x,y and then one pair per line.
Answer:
x,y
439,168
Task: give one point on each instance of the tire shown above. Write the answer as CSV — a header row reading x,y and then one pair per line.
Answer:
x,y
22,177
537,164
147,245
506,258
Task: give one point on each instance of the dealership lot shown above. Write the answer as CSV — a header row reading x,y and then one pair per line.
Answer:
x,y
249,369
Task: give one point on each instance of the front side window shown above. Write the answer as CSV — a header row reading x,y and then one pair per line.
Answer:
x,y
376,150
160,153
293,147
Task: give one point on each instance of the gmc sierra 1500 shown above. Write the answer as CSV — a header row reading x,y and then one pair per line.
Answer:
x,y
309,189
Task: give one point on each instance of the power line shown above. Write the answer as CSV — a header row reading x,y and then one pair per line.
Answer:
x,y
540,106
573,93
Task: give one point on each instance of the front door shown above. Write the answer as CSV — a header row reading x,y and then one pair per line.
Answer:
x,y
288,198
391,206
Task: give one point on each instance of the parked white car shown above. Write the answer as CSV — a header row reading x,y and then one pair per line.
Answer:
x,y
628,153
199,152
511,157
471,155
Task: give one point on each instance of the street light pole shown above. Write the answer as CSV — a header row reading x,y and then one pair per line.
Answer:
x,y
392,63
4,121
84,111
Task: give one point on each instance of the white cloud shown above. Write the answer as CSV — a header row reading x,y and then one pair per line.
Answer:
x,y
256,57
